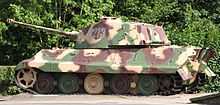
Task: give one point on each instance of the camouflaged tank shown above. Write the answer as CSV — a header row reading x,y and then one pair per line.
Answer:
x,y
112,56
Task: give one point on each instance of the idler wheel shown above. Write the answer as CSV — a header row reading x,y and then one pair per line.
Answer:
x,y
120,84
26,78
45,83
147,85
94,83
68,83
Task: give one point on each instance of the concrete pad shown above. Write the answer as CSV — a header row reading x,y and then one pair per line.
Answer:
x,y
85,99
1,98
5,98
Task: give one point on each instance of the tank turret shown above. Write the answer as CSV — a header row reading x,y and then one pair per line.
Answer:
x,y
111,32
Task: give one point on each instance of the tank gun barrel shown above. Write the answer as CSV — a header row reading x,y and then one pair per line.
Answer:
x,y
71,34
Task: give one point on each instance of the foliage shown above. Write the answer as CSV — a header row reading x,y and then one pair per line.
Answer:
x,y
7,85
187,22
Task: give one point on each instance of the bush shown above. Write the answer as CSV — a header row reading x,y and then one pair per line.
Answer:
x,y
7,84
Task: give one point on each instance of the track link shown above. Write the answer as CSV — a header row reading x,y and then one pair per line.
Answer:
x,y
134,84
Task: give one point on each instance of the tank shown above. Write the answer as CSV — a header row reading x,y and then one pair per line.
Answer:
x,y
112,56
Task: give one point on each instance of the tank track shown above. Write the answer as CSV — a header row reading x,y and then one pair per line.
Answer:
x,y
167,84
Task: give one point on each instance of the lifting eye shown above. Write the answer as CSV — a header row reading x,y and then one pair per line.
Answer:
x,y
143,42
104,18
113,18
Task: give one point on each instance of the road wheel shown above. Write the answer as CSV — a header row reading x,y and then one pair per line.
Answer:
x,y
26,78
94,83
165,83
147,85
120,84
45,83
133,84
68,83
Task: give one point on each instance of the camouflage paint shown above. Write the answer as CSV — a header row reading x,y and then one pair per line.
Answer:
x,y
113,46
113,32
164,59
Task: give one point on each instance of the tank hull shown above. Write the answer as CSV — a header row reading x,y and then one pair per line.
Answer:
x,y
165,59
123,70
